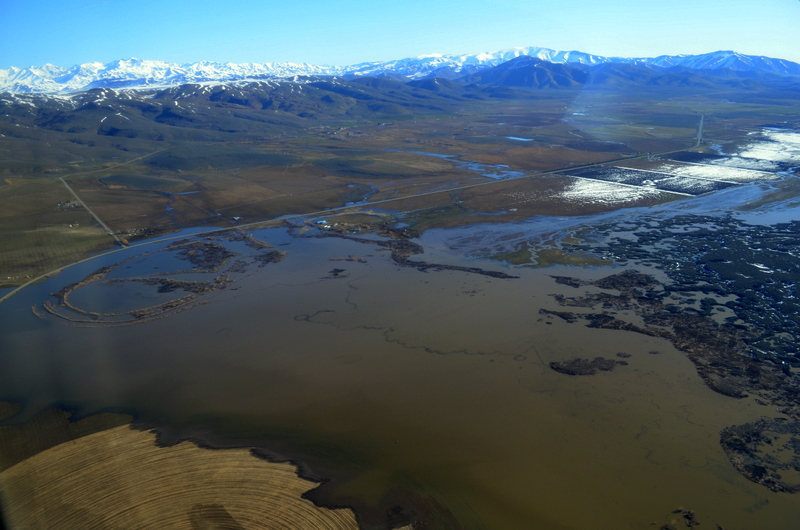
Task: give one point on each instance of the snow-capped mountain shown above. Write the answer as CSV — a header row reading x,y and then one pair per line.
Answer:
x,y
429,65
136,73
726,59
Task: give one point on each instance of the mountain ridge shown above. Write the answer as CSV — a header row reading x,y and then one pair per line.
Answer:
x,y
138,73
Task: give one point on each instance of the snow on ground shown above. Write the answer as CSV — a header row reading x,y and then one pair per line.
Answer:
x,y
590,191
690,185
714,172
746,163
776,145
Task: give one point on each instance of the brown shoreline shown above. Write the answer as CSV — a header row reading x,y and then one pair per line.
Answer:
x,y
120,476
109,437
404,510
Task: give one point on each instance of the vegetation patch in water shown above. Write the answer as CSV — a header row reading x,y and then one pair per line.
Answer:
x,y
555,256
580,366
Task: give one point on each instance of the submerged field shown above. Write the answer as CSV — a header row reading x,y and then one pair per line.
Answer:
x,y
516,314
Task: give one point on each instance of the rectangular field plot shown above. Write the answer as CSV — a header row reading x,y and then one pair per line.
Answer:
x,y
620,175
728,161
588,192
652,180
692,186
713,172
29,253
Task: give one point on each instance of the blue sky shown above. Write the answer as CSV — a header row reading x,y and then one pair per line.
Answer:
x,y
342,32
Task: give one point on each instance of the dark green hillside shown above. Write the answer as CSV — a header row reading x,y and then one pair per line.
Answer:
x,y
42,132
189,157
526,71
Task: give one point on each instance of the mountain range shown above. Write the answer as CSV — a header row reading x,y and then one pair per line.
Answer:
x,y
137,73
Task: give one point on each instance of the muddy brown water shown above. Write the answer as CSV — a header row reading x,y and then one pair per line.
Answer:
x,y
391,380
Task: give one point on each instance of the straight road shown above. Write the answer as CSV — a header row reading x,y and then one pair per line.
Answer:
x,y
96,218
700,131
99,221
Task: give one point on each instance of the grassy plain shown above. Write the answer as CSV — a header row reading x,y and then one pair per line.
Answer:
x,y
37,235
33,252
412,158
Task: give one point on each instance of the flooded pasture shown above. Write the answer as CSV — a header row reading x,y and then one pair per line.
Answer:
x,y
383,377
418,386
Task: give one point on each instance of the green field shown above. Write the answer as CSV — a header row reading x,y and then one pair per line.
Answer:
x,y
31,253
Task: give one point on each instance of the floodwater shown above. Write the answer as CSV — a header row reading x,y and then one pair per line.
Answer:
x,y
396,383
387,378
